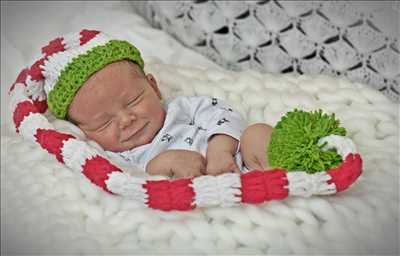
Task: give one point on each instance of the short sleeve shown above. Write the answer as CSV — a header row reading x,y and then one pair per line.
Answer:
x,y
214,115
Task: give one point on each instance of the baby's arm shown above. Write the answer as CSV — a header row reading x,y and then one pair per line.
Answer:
x,y
177,163
220,154
223,127
254,146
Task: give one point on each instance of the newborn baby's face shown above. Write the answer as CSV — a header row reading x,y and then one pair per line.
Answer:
x,y
119,107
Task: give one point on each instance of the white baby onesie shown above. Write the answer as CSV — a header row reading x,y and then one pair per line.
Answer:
x,y
189,123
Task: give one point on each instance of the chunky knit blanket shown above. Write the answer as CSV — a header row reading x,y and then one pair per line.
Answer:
x,y
48,209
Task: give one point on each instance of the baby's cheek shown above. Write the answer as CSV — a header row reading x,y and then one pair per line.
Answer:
x,y
108,140
160,114
114,136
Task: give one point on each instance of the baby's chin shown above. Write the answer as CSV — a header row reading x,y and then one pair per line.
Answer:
x,y
121,147
128,145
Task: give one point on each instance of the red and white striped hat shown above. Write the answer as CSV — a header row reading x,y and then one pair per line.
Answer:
x,y
67,62
61,57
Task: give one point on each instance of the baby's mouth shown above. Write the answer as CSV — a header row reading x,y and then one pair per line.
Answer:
x,y
135,133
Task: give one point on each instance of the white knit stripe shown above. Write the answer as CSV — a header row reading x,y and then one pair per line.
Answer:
x,y
229,189
72,40
206,191
76,152
35,89
57,62
305,184
31,123
221,190
131,187
343,145
17,95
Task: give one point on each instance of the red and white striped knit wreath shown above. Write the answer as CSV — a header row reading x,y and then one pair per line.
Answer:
x,y
28,102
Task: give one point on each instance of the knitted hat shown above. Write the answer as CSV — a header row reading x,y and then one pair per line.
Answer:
x,y
69,61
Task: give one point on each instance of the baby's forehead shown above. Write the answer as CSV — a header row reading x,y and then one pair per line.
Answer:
x,y
114,77
126,65
115,71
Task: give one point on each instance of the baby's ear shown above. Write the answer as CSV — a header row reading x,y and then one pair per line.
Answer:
x,y
153,83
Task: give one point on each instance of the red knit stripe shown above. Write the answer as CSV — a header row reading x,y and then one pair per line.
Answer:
x,y
86,35
54,46
260,186
347,173
41,105
22,110
97,170
35,72
21,78
169,195
52,141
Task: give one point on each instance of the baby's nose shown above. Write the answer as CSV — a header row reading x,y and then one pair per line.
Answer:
x,y
126,119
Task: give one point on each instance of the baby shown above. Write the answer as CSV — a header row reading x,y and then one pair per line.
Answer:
x,y
120,107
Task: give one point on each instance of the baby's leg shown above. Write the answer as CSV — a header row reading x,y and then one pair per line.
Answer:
x,y
253,146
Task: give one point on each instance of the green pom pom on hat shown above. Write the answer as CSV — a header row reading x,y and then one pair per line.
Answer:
x,y
294,142
75,73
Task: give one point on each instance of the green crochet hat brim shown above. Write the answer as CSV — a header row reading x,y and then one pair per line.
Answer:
x,y
81,68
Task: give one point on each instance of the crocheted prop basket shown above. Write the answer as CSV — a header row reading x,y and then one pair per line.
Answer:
x,y
28,104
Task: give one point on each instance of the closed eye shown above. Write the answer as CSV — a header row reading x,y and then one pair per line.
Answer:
x,y
104,126
136,99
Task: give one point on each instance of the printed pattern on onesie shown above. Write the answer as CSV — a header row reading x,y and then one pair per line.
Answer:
x,y
189,123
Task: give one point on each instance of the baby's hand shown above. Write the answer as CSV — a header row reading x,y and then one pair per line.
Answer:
x,y
177,163
188,164
221,162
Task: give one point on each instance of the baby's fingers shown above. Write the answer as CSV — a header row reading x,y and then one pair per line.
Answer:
x,y
217,170
196,170
235,168
231,167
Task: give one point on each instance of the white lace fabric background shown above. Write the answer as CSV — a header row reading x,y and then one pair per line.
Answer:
x,y
48,209
355,39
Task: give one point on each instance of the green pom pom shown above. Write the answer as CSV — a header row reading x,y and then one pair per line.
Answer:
x,y
293,144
